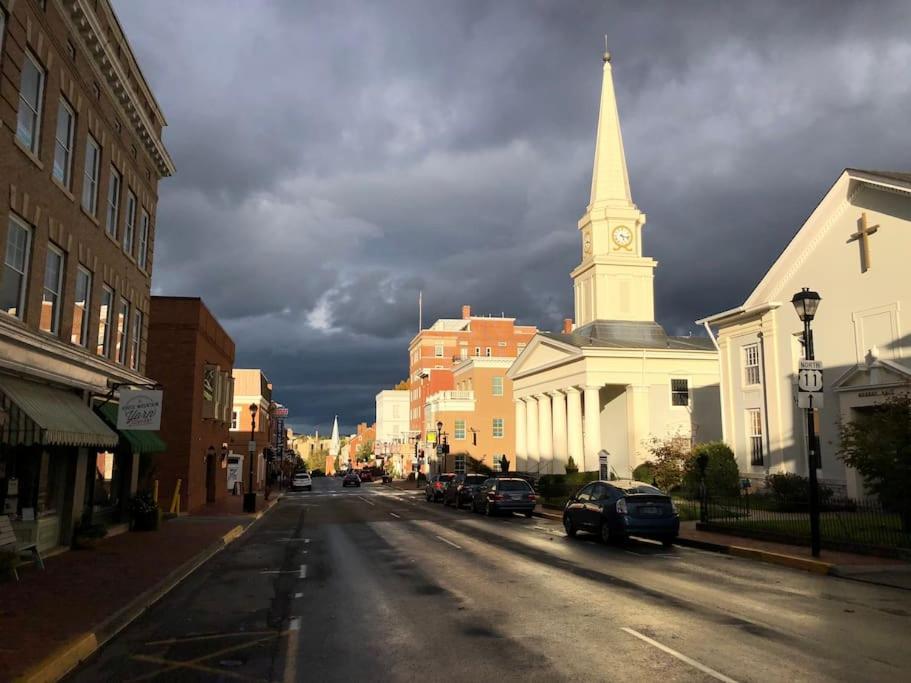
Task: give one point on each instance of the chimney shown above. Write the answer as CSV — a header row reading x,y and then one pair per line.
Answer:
x,y
466,312
567,325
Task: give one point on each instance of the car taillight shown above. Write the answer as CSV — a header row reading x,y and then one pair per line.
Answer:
x,y
674,508
621,507
497,496
531,496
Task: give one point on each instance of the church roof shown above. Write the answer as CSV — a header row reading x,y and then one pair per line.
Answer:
x,y
627,334
900,176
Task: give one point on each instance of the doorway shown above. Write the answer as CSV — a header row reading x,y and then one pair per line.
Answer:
x,y
210,478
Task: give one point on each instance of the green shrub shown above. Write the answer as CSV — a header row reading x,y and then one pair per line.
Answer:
x,y
722,476
791,491
644,472
669,456
561,486
571,467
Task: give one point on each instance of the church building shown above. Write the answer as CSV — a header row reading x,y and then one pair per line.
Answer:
x,y
615,378
853,250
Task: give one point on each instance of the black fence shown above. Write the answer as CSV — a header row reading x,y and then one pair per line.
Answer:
x,y
851,525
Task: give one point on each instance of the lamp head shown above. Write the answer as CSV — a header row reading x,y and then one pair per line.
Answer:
x,y
805,303
439,426
253,409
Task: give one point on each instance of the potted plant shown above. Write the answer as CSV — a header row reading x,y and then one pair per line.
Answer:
x,y
87,536
143,512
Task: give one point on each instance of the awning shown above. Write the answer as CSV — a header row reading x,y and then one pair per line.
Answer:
x,y
40,414
140,440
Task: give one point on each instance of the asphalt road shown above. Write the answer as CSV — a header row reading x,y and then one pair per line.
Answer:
x,y
375,584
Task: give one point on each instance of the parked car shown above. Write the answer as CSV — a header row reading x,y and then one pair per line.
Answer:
x,y
351,479
460,490
302,481
435,486
616,510
504,494
365,475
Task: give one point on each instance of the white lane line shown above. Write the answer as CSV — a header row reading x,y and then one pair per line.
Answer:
x,y
303,574
291,657
298,595
679,655
366,501
279,571
395,515
449,542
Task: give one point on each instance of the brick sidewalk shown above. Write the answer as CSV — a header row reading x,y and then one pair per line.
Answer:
x,y
81,588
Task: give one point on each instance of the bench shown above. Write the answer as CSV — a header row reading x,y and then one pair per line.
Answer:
x,y
9,543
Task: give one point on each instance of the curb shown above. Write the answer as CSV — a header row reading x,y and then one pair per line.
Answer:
x,y
72,654
812,566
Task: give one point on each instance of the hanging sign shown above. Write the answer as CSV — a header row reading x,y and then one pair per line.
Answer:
x,y
140,409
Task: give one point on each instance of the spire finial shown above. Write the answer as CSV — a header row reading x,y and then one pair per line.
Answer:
x,y
606,56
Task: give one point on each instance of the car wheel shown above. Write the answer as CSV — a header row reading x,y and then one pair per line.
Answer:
x,y
606,535
528,515
569,526
488,510
668,542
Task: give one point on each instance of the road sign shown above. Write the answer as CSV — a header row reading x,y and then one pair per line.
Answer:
x,y
809,384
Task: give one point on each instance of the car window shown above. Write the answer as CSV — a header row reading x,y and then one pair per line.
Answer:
x,y
600,492
446,477
475,479
586,493
514,485
638,487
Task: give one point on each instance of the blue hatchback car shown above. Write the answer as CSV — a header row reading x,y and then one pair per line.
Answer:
x,y
616,510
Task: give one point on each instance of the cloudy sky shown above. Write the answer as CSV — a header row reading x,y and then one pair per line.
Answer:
x,y
335,157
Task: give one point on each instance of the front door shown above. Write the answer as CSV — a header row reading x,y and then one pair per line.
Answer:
x,y
210,479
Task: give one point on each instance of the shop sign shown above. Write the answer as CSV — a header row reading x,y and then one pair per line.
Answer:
x,y
140,409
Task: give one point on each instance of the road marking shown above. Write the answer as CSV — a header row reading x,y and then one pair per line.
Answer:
x,y
298,595
279,571
395,515
366,501
294,540
449,542
291,658
295,624
682,657
303,573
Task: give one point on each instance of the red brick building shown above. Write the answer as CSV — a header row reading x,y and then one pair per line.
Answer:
x,y
365,435
192,357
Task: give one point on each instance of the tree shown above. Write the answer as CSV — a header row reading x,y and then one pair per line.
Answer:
x,y
722,476
364,452
669,457
878,445
404,385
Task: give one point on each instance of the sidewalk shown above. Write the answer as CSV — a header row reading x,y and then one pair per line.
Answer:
x,y
50,611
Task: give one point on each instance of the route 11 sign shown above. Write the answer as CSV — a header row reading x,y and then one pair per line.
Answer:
x,y
809,384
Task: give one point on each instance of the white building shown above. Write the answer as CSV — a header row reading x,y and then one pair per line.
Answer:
x,y
854,251
616,378
392,416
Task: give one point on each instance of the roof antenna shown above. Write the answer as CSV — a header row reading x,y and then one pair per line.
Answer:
x,y
606,56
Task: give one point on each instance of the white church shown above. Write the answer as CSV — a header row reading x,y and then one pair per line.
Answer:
x,y
615,378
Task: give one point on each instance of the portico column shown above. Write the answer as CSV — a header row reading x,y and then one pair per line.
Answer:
x,y
531,433
521,453
560,452
546,434
592,428
574,426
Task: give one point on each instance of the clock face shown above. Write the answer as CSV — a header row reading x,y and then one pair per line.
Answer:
x,y
622,236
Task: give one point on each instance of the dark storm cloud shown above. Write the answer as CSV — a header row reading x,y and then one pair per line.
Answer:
x,y
335,158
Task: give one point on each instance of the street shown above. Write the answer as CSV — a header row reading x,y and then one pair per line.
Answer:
x,y
375,583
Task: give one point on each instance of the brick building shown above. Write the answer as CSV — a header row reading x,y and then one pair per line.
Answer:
x,y
192,357
251,387
365,436
80,160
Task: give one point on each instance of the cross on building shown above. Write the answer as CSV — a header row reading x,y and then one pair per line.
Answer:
x,y
863,237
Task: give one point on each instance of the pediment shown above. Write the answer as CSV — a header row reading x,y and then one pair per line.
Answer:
x,y
874,373
542,353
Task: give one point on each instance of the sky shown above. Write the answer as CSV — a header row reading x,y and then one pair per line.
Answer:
x,y
334,158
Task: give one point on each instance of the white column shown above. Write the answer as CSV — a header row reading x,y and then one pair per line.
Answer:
x,y
574,426
521,455
531,433
638,423
592,428
560,452
546,434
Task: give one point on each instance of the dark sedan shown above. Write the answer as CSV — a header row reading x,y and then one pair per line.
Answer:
x,y
505,494
616,510
462,489
436,485
351,479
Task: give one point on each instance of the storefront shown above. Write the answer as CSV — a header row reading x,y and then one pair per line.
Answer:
x,y
47,433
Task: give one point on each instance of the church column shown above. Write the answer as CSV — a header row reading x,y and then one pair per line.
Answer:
x,y
546,434
592,428
638,427
559,412
521,448
574,426
531,433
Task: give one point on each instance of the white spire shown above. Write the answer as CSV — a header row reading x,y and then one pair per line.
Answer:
x,y
610,180
334,444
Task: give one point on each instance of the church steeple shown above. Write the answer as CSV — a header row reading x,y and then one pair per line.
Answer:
x,y
610,179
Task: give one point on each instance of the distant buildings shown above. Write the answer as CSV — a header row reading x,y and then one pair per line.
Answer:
x,y
251,388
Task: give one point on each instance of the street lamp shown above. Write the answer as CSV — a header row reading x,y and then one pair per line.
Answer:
x,y
805,303
439,447
250,495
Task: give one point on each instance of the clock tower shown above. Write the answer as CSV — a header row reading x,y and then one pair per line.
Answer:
x,y
614,281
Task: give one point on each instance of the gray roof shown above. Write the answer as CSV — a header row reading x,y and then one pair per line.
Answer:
x,y
627,334
900,176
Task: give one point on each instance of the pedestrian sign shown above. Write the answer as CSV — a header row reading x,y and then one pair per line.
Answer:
x,y
809,384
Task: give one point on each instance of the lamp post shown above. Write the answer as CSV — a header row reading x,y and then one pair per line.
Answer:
x,y
439,447
805,303
250,494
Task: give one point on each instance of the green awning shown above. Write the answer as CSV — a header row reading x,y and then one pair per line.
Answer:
x,y
36,413
140,440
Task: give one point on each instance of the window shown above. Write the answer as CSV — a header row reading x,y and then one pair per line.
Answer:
x,y
438,350
129,226
498,428
143,255
680,392
79,333
31,95
586,493
90,179
488,354
463,354
496,464
63,143
460,463
754,427
136,341
15,268
105,322
477,351
123,331
751,364
459,429
114,203
497,386
53,284
234,423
